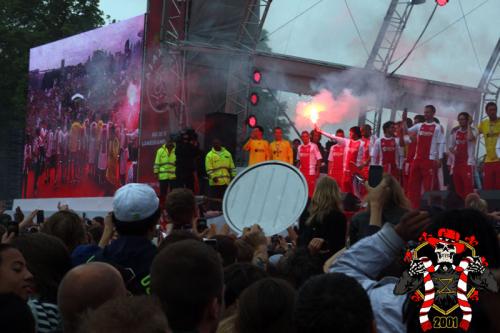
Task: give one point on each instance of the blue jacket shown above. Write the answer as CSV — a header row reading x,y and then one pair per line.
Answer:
x,y
131,255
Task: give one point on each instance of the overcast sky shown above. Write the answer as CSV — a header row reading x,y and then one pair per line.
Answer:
x,y
327,33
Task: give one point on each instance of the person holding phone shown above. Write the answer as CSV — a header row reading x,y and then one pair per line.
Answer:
x,y
385,151
462,154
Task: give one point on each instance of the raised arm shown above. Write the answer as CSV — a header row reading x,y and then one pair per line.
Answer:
x,y
340,140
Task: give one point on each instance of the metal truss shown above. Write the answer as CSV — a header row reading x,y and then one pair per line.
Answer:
x,y
381,55
240,68
490,88
174,22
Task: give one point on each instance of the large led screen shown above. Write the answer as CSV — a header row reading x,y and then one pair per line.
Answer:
x,y
83,113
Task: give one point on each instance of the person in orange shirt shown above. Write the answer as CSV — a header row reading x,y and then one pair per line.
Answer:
x,y
281,150
257,147
490,129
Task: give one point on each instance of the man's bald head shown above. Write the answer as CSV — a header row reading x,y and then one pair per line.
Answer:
x,y
87,287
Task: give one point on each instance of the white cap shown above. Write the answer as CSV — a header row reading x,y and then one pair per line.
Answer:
x,y
134,202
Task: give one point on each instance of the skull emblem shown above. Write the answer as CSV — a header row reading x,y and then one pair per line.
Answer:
x,y
445,252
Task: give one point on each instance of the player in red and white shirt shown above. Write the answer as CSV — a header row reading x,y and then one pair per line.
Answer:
x,y
309,159
428,154
353,160
386,150
336,160
462,148
369,140
410,146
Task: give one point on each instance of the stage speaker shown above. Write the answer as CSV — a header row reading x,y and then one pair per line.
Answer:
x,y
492,198
444,198
222,126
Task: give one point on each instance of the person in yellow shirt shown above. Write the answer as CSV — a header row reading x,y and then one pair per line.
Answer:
x,y
257,147
281,150
490,129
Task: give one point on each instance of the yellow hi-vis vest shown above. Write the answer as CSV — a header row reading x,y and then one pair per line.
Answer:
x,y
164,166
220,167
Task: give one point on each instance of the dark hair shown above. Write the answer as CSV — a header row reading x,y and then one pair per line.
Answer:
x,y
15,314
227,249
420,118
99,219
432,107
490,104
2,230
409,122
266,306
304,132
67,226
340,130
299,266
137,228
436,120
5,219
237,277
465,114
47,259
296,140
141,314
387,125
95,233
351,203
177,236
5,247
278,128
356,130
260,128
186,277
244,251
333,302
181,206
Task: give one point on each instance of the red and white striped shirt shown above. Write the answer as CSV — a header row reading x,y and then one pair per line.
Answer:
x,y
308,155
430,141
385,151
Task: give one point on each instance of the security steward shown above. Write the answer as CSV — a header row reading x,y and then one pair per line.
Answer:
x,y
164,168
220,170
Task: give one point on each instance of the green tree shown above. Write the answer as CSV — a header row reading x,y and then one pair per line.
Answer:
x,y
28,23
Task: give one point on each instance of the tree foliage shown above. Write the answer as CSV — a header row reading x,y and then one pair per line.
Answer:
x,y
28,23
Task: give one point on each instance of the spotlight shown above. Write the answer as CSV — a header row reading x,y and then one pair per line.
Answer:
x,y
257,76
252,121
254,98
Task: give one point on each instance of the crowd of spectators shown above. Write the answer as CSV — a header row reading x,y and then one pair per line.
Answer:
x,y
77,113
140,269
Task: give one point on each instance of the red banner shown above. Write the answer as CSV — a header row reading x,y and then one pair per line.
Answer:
x,y
161,94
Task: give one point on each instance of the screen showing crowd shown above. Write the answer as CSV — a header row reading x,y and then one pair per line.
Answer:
x,y
83,113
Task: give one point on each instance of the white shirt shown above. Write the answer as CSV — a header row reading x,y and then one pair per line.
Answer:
x,y
438,142
377,153
345,142
314,156
471,146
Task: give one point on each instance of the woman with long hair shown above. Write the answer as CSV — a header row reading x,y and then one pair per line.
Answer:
x,y
325,229
395,206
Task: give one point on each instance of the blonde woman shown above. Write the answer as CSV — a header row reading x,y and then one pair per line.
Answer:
x,y
325,229
396,205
